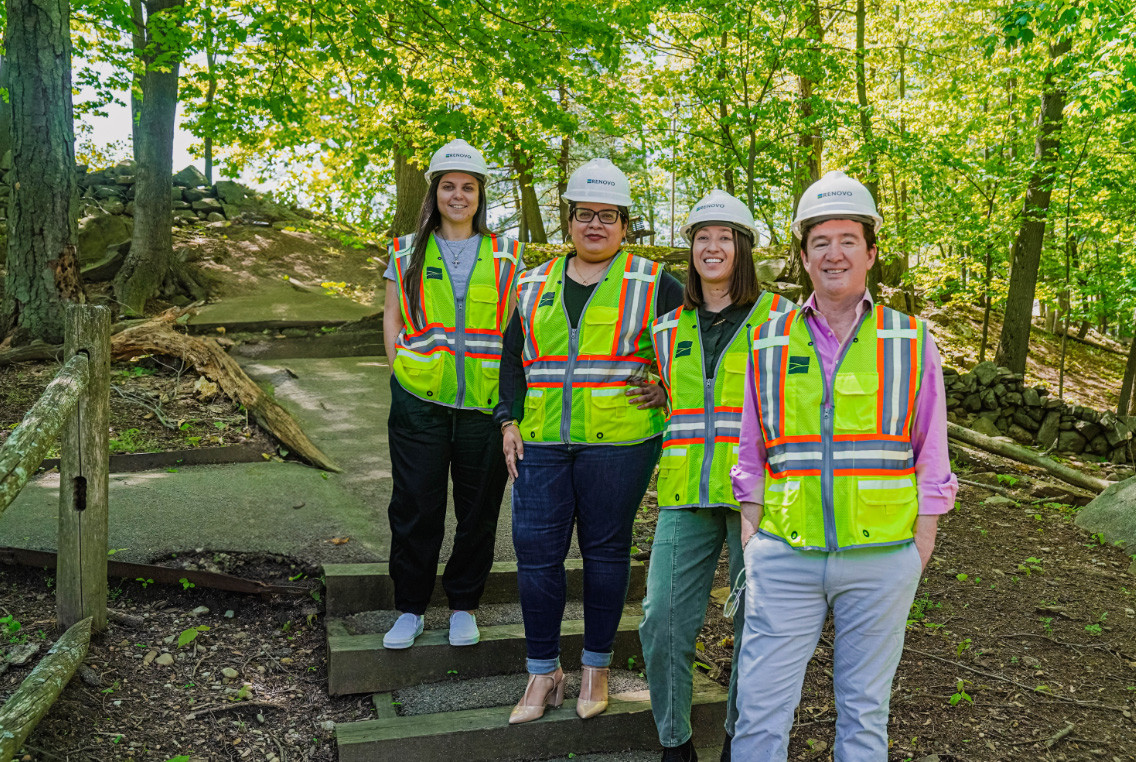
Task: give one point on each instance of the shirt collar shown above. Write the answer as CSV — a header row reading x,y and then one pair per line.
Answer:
x,y
865,305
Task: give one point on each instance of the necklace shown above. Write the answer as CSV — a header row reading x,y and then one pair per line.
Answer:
x,y
456,253
580,276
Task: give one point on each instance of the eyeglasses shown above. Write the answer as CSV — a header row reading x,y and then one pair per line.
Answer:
x,y
607,216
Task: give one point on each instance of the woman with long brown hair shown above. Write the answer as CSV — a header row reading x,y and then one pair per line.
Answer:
x,y
447,302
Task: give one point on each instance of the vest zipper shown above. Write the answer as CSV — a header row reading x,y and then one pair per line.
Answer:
x,y
459,325
573,350
827,477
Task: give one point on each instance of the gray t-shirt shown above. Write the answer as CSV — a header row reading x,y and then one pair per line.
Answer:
x,y
465,252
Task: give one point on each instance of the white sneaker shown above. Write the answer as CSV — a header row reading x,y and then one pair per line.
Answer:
x,y
405,630
463,629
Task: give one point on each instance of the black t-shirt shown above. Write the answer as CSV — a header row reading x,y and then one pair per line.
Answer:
x,y
512,380
717,330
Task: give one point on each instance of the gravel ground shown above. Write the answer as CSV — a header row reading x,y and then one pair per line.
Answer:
x,y
503,691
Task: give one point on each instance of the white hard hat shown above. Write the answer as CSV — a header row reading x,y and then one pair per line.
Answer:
x,y
600,181
719,207
833,197
457,156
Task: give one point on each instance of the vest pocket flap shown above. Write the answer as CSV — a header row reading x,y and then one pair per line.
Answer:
x,y
597,315
735,362
612,399
783,493
856,383
481,293
887,494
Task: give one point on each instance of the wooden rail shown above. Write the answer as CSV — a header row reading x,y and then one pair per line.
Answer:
x,y
74,408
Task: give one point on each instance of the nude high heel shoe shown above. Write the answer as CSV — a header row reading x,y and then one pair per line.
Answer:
x,y
542,690
593,692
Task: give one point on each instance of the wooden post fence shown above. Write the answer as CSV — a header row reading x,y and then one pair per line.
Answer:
x,y
75,408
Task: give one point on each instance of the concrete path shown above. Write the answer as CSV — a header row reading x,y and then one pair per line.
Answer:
x,y
342,404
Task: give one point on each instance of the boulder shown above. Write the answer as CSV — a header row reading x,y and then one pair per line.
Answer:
x,y
985,425
1031,397
207,205
114,206
193,194
177,194
985,372
1087,429
1021,435
106,191
1023,419
769,270
215,217
989,401
125,180
972,403
239,201
125,167
99,232
190,177
1112,514
1098,446
1047,434
107,267
1071,441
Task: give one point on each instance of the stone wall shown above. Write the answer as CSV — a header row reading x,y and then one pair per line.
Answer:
x,y
993,401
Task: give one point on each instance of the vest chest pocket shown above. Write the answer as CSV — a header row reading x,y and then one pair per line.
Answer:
x,y
854,397
885,510
482,308
599,324
784,511
733,378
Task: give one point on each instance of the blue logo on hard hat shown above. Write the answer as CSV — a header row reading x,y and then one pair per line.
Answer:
x,y
458,155
834,193
601,182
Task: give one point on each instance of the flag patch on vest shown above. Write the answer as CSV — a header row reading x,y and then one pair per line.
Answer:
x,y
548,300
798,364
682,349
433,273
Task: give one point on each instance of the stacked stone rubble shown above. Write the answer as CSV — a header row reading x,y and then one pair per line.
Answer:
x,y
996,402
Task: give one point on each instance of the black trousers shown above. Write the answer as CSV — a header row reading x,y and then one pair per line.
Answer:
x,y
428,442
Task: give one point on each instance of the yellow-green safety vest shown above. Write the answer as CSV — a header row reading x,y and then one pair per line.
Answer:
x,y
840,469
700,444
451,355
577,377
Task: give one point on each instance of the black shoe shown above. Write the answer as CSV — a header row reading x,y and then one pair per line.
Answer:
x,y
726,748
683,753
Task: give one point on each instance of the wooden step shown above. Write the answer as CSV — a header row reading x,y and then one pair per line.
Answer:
x,y
360,664
483,735
351,588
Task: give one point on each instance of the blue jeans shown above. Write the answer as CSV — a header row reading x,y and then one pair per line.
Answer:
x,y
598,488
684,558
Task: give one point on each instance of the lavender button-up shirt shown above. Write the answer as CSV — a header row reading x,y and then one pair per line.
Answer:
x,y
937,485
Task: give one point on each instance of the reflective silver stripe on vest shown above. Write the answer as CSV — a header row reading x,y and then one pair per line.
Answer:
x,y
530,286
772,337
874,455
899,344
638,279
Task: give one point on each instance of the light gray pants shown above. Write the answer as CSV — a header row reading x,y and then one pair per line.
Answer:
x,y
788,594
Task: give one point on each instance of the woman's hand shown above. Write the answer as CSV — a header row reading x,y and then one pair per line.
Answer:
x,y
513,446
646,394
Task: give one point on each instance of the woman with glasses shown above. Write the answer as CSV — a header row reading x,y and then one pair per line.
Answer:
x,y
702,348
448,299
581,426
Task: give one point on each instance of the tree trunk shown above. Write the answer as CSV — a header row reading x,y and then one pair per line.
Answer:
x,y
138,43
810,146
210,93
1013,344
410,190
1125,403
151,247
1022,455
530,204
42,263
5,111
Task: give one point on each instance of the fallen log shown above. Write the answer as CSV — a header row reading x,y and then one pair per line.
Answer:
x,y
35,696
208,358
1022,455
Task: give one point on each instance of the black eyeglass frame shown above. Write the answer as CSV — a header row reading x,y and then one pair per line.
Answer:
x,y
590,214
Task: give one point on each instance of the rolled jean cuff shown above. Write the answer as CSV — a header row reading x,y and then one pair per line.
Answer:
x,y
595,659
541,666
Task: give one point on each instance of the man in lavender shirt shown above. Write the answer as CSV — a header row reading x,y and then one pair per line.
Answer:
x,y
842,475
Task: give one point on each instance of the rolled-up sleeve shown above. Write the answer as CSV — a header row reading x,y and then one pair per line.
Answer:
x,y
937,485
748,476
